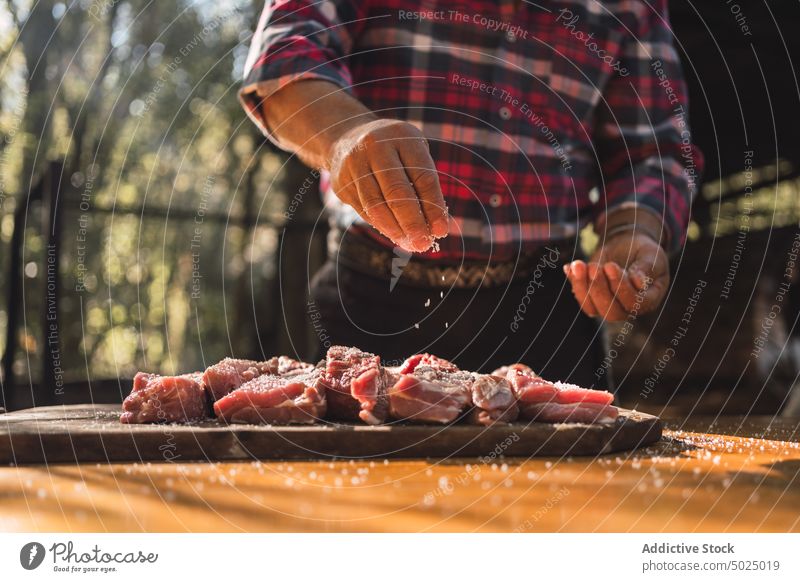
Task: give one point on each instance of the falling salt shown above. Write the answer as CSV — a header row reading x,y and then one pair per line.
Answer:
x,y
446,324
441,294
428,302
416,326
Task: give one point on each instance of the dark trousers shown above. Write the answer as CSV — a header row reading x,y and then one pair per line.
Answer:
x,y
535,321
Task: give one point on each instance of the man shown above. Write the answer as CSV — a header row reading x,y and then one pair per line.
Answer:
x,y
481,136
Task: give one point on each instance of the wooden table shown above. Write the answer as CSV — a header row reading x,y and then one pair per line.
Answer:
x,y
731,475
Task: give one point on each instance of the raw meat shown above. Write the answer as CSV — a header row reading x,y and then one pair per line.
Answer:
x,y
294,397
226,376
588,412
432,389
426,360
351,385
356,385
547,401
427,395
284,365
493,399
157,398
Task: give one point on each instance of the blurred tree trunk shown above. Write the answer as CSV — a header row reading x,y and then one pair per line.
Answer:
x,y
301,253
35,31
34,36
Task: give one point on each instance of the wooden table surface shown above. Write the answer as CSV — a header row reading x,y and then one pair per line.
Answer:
x,y
730,475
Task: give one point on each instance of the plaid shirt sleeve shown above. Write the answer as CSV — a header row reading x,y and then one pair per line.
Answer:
x,y
642,133
299,39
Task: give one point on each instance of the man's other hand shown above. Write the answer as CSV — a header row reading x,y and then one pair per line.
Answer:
x,y
628,275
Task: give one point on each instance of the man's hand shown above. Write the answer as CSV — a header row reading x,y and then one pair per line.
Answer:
x,y
383,169
629,274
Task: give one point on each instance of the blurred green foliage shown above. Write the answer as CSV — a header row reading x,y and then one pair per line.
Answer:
x,y
169,196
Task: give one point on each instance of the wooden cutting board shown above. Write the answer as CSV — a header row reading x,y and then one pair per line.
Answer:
x,y
87,433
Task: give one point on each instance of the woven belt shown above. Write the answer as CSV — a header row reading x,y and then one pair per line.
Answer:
x,y
368,257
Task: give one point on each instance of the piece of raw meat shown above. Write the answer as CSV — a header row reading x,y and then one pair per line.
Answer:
x,y
493,400
546,401
284,365
427,395
157,398
425,360
490,396
294,397
356,385
227,375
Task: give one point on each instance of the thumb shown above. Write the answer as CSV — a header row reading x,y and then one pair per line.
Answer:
x,y
641,274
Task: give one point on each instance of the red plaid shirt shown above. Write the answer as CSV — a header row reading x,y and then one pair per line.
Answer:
x,y
540,115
